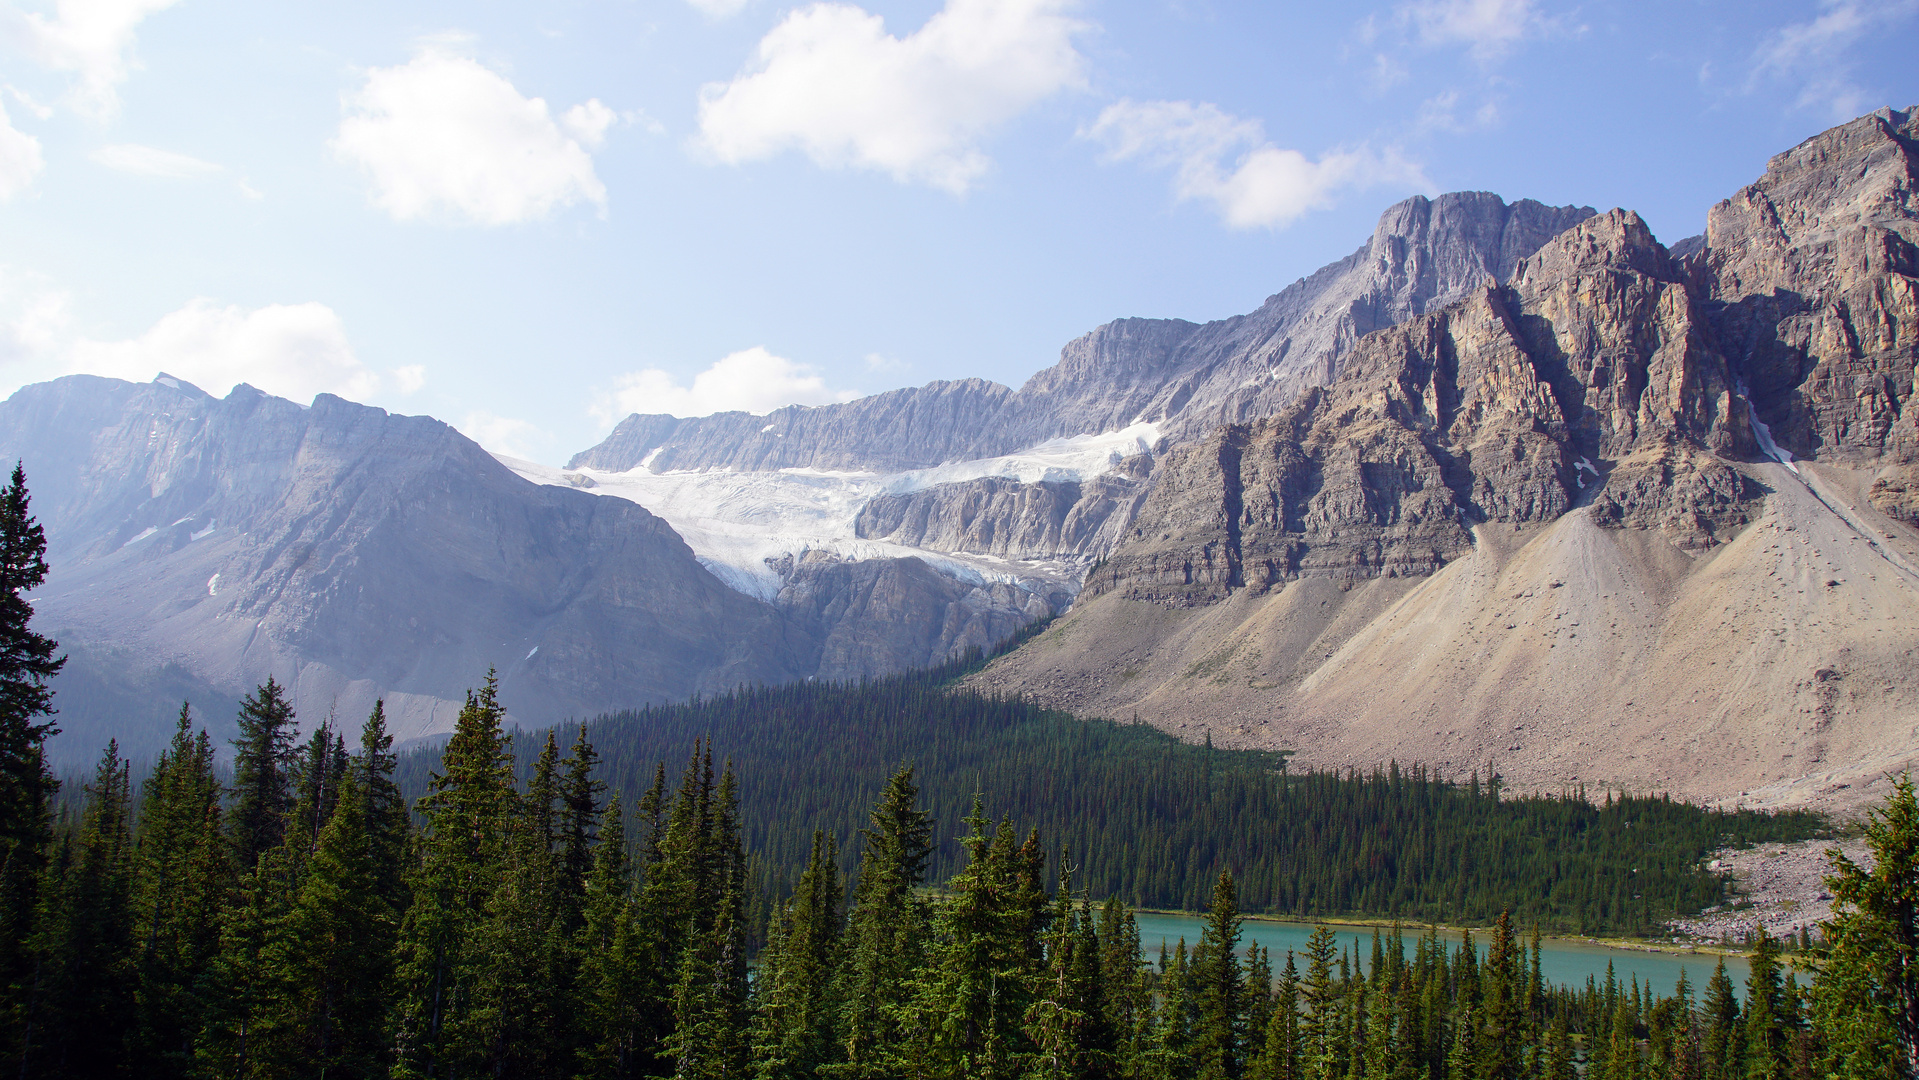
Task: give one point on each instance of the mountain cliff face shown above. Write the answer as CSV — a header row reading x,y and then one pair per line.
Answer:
x,y
1549,526
355,554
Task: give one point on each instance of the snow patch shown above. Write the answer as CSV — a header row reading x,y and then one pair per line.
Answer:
x,y
1586,464
1763,433
213,585
529,654
206,532
144,533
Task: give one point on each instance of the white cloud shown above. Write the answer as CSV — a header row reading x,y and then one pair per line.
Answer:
x,y
292,350
503,434
149,161
409,379
1815,52
717,9
831,82
20,159
443,134
1224,160
93,39
1488,28
752,380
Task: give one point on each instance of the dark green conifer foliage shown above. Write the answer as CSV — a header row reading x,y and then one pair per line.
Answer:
x,y
261,791
1126,994
580,808
1215,981
27,661
796,1012
709,1038
466,810
1866,994
387,822
1767,1044
85,937
1505,1034
183,875
1321,1017
1279,1060
1722,1047
885,932
331,957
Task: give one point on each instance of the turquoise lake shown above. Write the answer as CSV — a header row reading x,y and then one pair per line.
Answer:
x,y
1565,962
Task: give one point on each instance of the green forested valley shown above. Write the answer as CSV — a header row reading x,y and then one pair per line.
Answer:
x,y
1152,820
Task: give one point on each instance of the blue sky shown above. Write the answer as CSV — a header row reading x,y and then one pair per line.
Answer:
x,y
529,219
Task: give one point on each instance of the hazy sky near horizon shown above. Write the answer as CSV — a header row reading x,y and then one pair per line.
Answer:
x,y
530,219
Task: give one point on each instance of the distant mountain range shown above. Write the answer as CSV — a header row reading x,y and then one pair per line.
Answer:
x,y
1511,484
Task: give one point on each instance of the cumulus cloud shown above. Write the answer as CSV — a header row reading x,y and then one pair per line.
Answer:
x,y
1226,161
830,82
443,135
20,159
149,161
1814,52
292,350
93,39
503,434
752,380
1489,29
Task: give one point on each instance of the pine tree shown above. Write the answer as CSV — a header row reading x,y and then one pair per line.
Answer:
x,y
261,790
84,940
467,808
183,873
1320,1002
1767,1045
27,661
1218,1034
1865,997
795,1011
885,937
1721,1046
1280,1058
330,959
388,824
27,788
709,1038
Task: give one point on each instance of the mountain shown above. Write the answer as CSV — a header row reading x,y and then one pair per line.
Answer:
x,y
1626,518
1031,486
353,554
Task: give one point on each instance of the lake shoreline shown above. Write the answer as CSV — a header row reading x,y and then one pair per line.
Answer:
x,y
1628,944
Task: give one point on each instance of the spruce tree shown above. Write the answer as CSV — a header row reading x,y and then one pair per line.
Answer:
x,y
261,789
84,941
27,788
467,809
1218,1033
1721,1047
1320,1004
331,957
183,873
1767,1045
795,1013
1865,997
885,938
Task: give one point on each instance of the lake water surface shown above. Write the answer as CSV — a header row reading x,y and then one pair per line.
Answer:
x,y
1562,962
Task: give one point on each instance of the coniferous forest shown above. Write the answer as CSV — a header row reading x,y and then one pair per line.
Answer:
x,y
302,917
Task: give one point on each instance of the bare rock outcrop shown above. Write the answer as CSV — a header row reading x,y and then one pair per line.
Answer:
x,y
1812,278
1592,370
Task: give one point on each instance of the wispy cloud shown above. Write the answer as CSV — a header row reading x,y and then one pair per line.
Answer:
x,y
94,40
1227,161
1814,53
751,380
